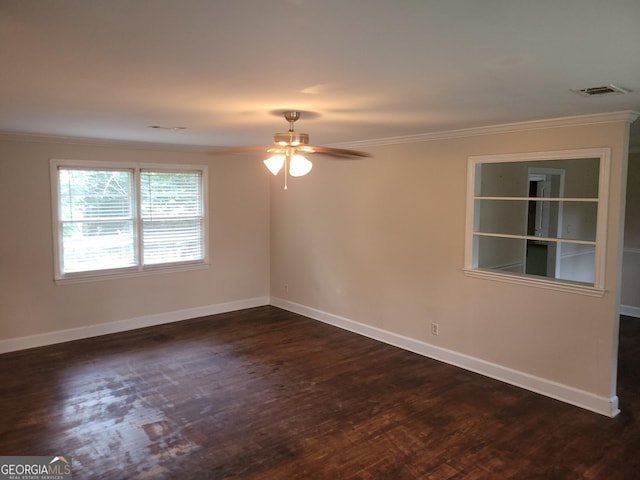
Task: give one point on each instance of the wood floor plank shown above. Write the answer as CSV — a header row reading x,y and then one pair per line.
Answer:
x,y
267,394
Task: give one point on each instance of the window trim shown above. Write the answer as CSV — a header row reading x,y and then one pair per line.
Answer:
x,y
598,288
139,269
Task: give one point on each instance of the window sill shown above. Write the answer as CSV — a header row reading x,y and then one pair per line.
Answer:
x,y
530,281
127,273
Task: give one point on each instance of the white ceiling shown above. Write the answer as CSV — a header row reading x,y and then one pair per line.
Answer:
x,y
369,69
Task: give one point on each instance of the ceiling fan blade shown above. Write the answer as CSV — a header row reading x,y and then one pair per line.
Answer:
x,y
291,142
333,152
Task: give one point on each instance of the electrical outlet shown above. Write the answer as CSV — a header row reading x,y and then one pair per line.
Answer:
x,y
286,288
435,329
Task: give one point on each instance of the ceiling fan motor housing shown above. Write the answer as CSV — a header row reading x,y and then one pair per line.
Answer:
x,y
291,139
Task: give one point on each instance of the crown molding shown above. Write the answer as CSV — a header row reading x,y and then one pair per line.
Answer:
x,y
627,116
100,142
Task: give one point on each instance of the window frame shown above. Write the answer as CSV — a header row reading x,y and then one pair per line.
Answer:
x,y
471,255
139,268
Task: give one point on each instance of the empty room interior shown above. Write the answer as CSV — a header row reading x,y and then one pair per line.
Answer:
x,y
277,239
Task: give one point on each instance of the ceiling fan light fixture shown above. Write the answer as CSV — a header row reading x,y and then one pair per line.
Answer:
x,y
274,163
287,148
299,166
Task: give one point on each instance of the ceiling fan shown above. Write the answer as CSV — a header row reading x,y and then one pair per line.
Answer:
x,y
288,148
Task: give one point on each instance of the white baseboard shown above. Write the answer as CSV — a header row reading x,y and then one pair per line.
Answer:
x,y
59,336
630,311
602,405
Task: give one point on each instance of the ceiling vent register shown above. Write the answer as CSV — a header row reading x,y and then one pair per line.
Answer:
x,y
602,91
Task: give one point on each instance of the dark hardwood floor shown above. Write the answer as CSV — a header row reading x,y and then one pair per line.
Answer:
x,y
267,394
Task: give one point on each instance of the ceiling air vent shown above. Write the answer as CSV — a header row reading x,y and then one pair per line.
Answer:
x,y
602,91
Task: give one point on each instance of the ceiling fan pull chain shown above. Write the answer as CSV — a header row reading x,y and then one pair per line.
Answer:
x,y
286,170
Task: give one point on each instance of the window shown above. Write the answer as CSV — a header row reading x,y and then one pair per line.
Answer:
x,y
539,219
122,218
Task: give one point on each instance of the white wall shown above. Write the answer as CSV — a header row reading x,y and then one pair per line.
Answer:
x,y
378,246
374,245
631,264
33,308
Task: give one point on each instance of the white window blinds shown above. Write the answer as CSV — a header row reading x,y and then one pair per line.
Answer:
x,y
119,219
96,219
172,217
